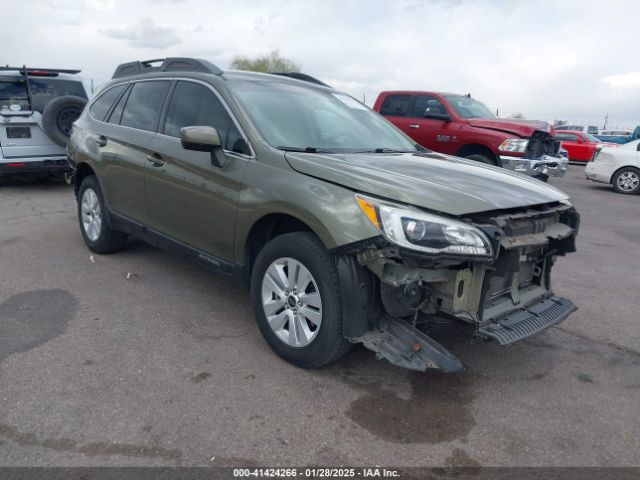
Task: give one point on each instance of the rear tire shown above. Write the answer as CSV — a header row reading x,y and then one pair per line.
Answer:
x,y
288,256
626,181
97,234
477,157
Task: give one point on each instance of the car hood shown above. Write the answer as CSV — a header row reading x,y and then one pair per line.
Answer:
x,y
433,181
522,128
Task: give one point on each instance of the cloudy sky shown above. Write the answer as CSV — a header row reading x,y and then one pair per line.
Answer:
x,y
574,60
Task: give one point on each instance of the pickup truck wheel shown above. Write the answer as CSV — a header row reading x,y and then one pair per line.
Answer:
x,y
297,302
481,158
627,180
93,223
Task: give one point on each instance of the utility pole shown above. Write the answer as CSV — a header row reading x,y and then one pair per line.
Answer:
x,y
606,117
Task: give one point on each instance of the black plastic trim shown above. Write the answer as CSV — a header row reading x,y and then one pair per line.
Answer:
x,y
152,237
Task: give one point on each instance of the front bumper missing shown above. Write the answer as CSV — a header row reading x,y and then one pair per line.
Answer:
x,y
398,342
402,345
526,322
545,165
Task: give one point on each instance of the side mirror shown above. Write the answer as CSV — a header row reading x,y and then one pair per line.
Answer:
x,y
445,117
203,139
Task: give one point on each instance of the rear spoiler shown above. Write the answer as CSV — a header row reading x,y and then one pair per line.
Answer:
x,y
38,72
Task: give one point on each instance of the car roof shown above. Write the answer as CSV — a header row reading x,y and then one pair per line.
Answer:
x,y
195,68
224,76
575,132
272,78
419,92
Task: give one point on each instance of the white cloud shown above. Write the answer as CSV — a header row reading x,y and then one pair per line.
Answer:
x,y
624,80
545,59
145,33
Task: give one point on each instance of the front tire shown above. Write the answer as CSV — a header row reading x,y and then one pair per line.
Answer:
x,y
542,177
627,181
97,234
297,301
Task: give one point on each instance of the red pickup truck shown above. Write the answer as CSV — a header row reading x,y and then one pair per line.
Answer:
x,y
462,126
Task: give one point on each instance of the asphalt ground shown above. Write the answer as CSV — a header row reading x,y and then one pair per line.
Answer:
x,y
139,358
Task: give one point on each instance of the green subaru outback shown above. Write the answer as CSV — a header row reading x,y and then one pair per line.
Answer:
x,y
344,230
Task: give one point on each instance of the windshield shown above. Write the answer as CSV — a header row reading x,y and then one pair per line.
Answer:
x,y
591,138
468,107
292,117
13,92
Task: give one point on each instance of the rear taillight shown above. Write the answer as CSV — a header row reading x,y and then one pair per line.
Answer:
x,y
41,73
16,164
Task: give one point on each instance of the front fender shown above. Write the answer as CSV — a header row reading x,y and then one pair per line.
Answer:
x,y
329,210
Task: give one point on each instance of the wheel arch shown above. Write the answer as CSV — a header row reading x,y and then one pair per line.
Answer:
x,y
269,226
472,148
637,169
82,171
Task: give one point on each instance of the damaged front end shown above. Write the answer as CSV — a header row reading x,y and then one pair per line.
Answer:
x,y
541,157
498,283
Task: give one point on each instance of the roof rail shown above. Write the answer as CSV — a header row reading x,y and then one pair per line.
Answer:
x,y
36,71
176,64
301,76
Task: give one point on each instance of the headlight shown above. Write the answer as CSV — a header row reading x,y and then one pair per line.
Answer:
x,y
417,230
514,145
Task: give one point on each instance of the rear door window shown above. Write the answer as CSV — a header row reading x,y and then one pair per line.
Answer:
x,y
144,105
397,106
193,104
101,106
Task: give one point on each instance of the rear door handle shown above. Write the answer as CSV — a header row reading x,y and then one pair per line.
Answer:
x,y
414,125
155,160
101,141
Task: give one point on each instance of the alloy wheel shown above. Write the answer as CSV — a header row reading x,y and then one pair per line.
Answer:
x,y
628,181
91,214
291,302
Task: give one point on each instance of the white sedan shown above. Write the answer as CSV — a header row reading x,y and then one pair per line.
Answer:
x,y
618,166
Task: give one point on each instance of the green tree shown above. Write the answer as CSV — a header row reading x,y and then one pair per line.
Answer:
x,y
271,62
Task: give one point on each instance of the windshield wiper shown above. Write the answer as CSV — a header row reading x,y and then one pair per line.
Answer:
x,y
305,149
386,150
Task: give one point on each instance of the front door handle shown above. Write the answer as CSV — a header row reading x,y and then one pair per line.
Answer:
x,y
101,141
155,160
414,125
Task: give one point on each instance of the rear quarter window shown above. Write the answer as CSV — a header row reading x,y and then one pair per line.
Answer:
x,y
101,106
